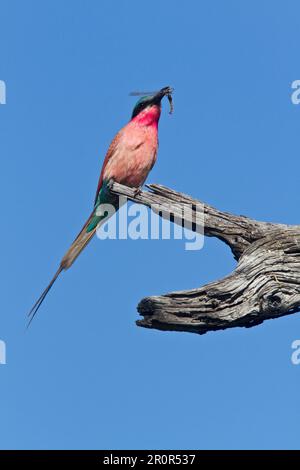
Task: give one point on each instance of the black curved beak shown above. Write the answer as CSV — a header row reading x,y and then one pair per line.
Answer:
x,y
166,91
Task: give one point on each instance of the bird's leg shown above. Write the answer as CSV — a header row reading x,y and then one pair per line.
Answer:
x,y
137,191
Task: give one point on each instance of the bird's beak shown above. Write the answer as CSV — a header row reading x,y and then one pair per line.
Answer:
x,y
166,91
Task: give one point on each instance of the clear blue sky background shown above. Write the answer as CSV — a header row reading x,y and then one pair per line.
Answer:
x,y
85,376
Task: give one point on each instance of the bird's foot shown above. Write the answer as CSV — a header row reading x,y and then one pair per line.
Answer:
x,y
137,191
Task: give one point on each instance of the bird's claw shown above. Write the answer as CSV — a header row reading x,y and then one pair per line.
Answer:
x,y
137,191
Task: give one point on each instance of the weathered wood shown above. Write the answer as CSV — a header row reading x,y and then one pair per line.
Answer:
x,y
264,285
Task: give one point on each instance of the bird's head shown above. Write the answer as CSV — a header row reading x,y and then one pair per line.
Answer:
x,y
152,102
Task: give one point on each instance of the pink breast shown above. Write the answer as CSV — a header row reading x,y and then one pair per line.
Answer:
x,y
135,155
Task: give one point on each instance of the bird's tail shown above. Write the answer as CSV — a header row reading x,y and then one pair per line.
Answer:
x,y
73,252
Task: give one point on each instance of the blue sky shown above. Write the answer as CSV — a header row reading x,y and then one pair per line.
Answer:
x,y
85,376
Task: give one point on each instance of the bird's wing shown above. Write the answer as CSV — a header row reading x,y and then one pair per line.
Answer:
x,y
110,152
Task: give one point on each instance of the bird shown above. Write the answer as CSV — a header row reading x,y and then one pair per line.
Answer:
x,y
128,161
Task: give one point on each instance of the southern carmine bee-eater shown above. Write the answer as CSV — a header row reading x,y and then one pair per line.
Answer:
x,y
129,159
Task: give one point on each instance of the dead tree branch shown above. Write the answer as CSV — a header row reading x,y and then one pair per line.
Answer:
x,y
264,285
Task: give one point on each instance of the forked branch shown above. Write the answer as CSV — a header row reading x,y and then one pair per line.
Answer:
x,y
264,285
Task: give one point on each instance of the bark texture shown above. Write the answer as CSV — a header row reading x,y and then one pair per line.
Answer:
x,y
264,285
